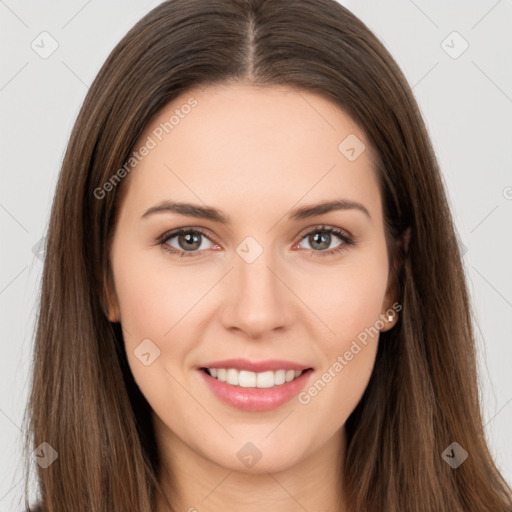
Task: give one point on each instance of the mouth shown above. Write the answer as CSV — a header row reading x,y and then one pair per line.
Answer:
x,y
248,379
238,384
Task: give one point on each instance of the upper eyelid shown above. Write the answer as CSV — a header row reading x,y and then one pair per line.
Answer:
x,y
178,231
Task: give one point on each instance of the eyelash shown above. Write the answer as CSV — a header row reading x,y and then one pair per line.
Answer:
x,y
346,239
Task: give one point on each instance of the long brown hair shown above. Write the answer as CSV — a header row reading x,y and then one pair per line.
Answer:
x,y
423,394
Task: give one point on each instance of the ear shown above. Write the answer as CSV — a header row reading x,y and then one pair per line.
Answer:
x,y
110,301
391,306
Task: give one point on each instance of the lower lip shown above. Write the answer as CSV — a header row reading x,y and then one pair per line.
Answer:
x,y
256,399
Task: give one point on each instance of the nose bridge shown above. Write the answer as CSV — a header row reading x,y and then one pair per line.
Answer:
x,y
258,300
253,272
256,276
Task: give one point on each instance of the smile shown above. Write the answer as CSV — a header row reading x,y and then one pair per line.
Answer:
x,y
255,386
248,379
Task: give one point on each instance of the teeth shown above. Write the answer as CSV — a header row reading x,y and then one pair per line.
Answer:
x,y
279,377
232,377
246,379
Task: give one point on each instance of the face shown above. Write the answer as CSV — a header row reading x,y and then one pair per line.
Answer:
x,y
259,276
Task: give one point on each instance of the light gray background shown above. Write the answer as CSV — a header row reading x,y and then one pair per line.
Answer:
x,y
466,102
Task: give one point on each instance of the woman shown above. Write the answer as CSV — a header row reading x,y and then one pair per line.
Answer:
x,y
193,352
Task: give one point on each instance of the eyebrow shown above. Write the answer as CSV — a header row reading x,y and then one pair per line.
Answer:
x,y
213,214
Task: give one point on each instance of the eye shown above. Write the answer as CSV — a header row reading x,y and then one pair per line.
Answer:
x,y
189,241
194,241
321,237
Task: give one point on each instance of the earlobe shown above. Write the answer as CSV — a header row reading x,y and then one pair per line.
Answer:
x,y
391,300
111,305
390,315
112,310
113,318
390,319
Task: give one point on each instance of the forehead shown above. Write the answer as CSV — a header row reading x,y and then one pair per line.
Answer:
x,y
249,146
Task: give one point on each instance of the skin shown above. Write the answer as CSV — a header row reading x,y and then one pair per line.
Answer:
x,y
256,154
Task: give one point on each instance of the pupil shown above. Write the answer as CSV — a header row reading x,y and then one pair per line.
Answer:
x,y
191,239
324,240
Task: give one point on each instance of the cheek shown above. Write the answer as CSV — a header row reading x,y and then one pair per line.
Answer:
x,y
153,305
350,304
349,298
338,387
355,303
348,356
153,299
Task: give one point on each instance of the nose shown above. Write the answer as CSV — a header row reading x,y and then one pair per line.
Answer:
x,y
258,300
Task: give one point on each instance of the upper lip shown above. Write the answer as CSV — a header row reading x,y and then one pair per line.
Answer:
x,y
256,366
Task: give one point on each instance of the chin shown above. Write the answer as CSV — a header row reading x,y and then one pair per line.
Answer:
x,y
253,458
